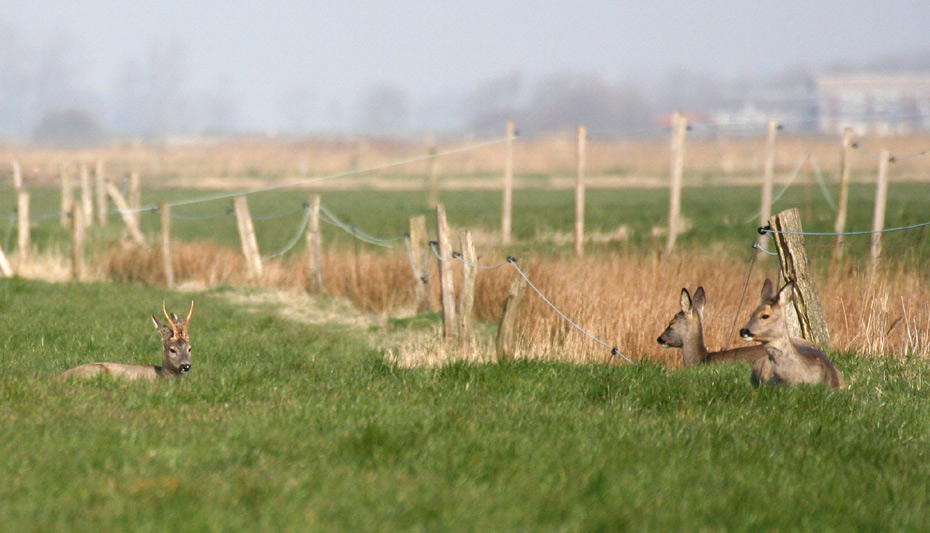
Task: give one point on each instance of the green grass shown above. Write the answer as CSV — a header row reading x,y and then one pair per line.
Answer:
x,y
720,215
290,427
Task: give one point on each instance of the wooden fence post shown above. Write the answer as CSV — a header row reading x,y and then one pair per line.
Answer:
x,y
467,295
679,126
579,191
100,182
130,217
87,204
433,199
134,198
878,218
314,246
253,260
506,331
507,212
794,267
167,261
5,270
839,223
17,175
77,244
768,177
419,258
446,278
22,225
67,195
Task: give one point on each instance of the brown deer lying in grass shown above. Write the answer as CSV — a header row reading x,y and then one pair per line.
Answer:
x,y
686,331
784,362
175,361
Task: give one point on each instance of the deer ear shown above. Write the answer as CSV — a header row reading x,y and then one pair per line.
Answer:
x,y
699,300
163,329
785,294
768,291
685,301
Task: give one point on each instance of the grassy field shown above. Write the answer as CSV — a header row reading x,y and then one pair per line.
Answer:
x,y
288,426
543,218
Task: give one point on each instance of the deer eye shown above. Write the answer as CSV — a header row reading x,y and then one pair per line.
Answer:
x,y
173,350
765,316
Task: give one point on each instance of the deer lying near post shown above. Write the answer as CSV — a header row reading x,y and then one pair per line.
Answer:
x,y
176,359
686,331
784,363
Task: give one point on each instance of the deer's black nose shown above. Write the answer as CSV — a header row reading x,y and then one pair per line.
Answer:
x,y
744,333
659,340
184,369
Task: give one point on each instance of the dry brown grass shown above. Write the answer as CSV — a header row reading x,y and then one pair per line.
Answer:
x,y
220,163
625,300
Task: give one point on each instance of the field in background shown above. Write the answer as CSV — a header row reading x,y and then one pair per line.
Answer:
x,y
624,291
289,426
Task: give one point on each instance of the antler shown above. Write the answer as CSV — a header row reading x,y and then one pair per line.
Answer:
x,y
174,326
187,320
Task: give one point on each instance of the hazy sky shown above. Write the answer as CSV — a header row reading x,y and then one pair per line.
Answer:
x,y
255,51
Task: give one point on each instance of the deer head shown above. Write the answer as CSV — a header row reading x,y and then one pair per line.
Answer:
x,y
768,322
177,347
686,323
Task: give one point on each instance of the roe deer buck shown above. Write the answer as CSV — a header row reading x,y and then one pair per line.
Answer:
x,y
784,362
175,361
686,331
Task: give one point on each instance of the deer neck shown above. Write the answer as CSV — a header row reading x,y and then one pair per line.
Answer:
x,y
693,350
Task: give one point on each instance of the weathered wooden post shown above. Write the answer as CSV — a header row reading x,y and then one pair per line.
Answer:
x,y
5,270
167,261
67,195
467,296
506,331
24,243
314,246
129,216
839,223
78,271
579,191
878,218
253,260
679,127
792,255
134,198
433,199
768,177
419,259
87,204
101,183
446,278
507,212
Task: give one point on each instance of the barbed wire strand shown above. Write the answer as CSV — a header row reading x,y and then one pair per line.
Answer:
x,y
823,183
769,229
781,192
293,242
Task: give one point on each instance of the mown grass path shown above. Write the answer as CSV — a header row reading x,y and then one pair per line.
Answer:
x,y
284,426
